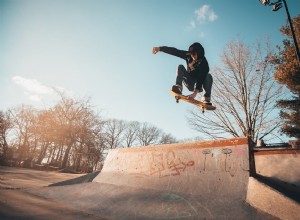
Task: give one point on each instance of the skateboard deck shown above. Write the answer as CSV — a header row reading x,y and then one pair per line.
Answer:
x,y
192,101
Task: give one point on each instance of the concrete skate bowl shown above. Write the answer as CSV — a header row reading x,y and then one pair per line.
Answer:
x,y
198,180
278,191
280,165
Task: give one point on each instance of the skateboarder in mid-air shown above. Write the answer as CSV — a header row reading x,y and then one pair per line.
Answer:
x,y
196,77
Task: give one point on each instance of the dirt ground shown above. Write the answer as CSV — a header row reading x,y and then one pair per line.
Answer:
x,y
17,203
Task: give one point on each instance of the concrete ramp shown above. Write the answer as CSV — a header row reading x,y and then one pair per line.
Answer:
x,y
179,181
199,180
200,168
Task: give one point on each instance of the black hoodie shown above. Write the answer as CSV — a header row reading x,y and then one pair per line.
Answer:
x,y
198,70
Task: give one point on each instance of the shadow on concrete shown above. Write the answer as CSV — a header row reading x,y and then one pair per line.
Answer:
x,y
82,179
289,190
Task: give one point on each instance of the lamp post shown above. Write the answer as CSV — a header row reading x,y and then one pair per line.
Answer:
x,y
276,6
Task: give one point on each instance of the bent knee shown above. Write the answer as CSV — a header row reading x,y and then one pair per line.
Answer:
x,y
209,76
180,67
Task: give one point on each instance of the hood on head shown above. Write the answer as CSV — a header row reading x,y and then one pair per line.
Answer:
x,y
197,47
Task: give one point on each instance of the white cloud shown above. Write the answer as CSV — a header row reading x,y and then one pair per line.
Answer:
x,y
32,85
205,13
37,91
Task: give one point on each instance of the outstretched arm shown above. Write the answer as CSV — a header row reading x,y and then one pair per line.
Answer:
x,y
171,50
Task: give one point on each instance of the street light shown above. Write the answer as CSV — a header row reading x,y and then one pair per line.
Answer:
x,y
265,2
276,6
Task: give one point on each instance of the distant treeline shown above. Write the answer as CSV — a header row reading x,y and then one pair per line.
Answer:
x,y
70,135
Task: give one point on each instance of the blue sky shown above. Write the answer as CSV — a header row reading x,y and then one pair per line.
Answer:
x,y
102,49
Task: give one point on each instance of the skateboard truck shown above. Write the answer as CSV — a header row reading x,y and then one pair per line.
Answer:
x,y
203,109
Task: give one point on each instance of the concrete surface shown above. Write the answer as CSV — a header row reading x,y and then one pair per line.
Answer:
x,y
198,180
280,165
17,203
19,178
271,201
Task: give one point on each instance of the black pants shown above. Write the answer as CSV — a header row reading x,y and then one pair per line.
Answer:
x,y
189,81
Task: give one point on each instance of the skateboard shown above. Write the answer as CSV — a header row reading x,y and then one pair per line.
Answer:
x,y
193,101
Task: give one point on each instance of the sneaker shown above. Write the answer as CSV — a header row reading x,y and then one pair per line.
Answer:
x,y
177,89
207,103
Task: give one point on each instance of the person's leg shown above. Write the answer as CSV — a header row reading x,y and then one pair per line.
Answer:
x,y
189,82
181,71
207,85
185,77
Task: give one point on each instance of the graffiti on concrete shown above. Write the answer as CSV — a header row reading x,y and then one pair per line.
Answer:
x,y
206,152
168,164
217,156
174,163
162,165
227,152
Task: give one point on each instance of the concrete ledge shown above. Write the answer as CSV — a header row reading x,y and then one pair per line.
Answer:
x,y
201,144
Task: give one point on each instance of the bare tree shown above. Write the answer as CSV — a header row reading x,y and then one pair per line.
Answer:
x,y
76,122
46,130
245,94
71,135
86,148
148,134
114,130
5,126
167,139
130,134
23,119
